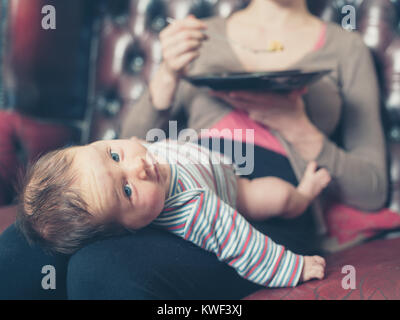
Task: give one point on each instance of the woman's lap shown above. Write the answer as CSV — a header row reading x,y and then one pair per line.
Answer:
x,y
153,264
21,269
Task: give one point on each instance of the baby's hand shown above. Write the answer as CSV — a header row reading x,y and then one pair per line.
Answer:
x,y
314,268
313,181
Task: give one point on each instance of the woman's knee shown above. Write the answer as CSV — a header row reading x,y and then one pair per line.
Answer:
x,y
151,264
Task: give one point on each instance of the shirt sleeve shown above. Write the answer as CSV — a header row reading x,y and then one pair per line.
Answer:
x,y
357,163
217,227
359,167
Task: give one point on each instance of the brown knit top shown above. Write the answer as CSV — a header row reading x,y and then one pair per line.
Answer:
x,y
344,105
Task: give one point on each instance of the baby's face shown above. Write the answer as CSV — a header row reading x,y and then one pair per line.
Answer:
x,y
121,181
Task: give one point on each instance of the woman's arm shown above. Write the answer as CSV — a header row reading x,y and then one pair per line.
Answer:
x,y
359,166
145,114
180,43
284,113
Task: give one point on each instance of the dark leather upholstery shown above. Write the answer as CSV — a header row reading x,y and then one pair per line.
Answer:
x,y
129,53
46,71
44,81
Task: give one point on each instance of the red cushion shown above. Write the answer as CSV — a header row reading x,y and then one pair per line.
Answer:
x,y
377,267
7,217
33,137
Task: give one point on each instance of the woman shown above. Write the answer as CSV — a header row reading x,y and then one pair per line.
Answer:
x,y
348,98
336,122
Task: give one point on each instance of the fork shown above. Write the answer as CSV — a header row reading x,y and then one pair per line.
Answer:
x,y
230,41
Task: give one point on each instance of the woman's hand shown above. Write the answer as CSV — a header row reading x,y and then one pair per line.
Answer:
x,y
180,43
283,113
276,111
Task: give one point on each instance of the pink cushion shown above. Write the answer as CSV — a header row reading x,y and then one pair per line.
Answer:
x,y
377,276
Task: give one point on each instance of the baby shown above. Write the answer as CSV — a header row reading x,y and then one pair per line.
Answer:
x,y
76,195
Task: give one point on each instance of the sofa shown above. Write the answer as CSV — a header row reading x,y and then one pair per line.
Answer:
x,y
127,54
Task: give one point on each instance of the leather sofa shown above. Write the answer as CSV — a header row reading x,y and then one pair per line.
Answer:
x,y
128,54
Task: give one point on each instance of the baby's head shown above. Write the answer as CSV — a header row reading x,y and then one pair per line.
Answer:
x,y
76,195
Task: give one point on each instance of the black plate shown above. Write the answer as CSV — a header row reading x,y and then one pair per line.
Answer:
x,y
287,80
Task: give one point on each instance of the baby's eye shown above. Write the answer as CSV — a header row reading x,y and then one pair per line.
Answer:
x,y
127,191
114,156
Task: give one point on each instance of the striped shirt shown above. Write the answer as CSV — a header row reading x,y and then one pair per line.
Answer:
x,y
201,208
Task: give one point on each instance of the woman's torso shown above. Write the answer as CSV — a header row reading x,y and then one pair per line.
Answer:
x,y
323,99
296,41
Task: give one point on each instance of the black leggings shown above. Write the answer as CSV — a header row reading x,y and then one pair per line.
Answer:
x,y
153,264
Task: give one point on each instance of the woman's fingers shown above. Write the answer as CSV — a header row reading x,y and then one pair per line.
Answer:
x,y
262,96
231,96
182,37
259,97
180,49
262,103
183,60
189,23
254,98
181,42
239,101
239,104
297,93
219,94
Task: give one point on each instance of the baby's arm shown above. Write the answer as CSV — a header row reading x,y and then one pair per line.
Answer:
x,y
267,197
217,227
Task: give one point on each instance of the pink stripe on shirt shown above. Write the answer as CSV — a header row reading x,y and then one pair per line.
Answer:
x,y
259,260
229,234
294,271
199,208
213,225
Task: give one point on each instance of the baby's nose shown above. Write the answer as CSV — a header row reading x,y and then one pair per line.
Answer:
x,y
139,168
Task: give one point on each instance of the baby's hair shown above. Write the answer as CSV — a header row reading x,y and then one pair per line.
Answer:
x,y
52,212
